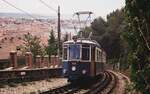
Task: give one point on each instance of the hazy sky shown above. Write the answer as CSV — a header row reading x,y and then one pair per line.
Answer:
x,y
99,7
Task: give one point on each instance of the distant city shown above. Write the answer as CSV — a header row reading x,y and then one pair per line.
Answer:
x,y
14,26
21,15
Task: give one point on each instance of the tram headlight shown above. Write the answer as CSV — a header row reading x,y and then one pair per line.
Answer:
x,y
64,71
83,71
73,68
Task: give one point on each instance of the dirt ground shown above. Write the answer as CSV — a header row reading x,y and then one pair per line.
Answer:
x,y
33,87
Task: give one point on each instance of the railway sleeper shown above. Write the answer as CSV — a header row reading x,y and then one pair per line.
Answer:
x,y
109,89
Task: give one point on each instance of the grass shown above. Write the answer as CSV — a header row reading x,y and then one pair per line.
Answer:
x,y
39,91
12,85
25,93
32,83
2,85
33,92
24,84
48,80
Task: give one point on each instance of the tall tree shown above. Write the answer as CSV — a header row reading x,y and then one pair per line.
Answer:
x,y
108,33
51,49
99,26
138,38
32,44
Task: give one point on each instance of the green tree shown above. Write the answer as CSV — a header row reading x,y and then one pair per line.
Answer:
x,y
116,21
108,33
51,49
99,26
32,44
43,52
138,38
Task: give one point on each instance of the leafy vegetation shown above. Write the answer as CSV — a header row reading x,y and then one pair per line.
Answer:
x,y
2,85
32,44
24,84
109,34
51,49
137,35
33,92
125,36
11,84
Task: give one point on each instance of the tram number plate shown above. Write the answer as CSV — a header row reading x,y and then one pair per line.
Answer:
x,y
23,73
74,63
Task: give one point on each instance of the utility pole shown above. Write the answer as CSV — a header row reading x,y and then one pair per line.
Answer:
x,y
59,32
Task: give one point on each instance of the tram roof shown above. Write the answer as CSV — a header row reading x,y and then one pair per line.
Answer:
x,y
84,41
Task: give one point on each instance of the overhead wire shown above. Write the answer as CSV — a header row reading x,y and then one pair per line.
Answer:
x,y
48,6
64,29
73,24
51,8
10,4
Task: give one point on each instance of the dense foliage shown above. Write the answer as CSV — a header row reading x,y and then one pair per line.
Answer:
x,y
51,49
138,38
32,44
108,34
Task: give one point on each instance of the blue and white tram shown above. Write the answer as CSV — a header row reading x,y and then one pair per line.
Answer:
x,y
82,59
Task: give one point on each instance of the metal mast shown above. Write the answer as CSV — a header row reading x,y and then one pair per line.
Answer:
x,y
59,31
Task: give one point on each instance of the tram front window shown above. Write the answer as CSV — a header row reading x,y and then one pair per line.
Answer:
x,y
74,52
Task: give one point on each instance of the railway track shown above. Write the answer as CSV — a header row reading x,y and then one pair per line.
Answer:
x,y
67,89
105,85
112,84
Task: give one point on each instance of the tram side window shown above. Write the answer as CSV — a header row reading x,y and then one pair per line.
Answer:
x,y
98,57
85,52
65,54
104,57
